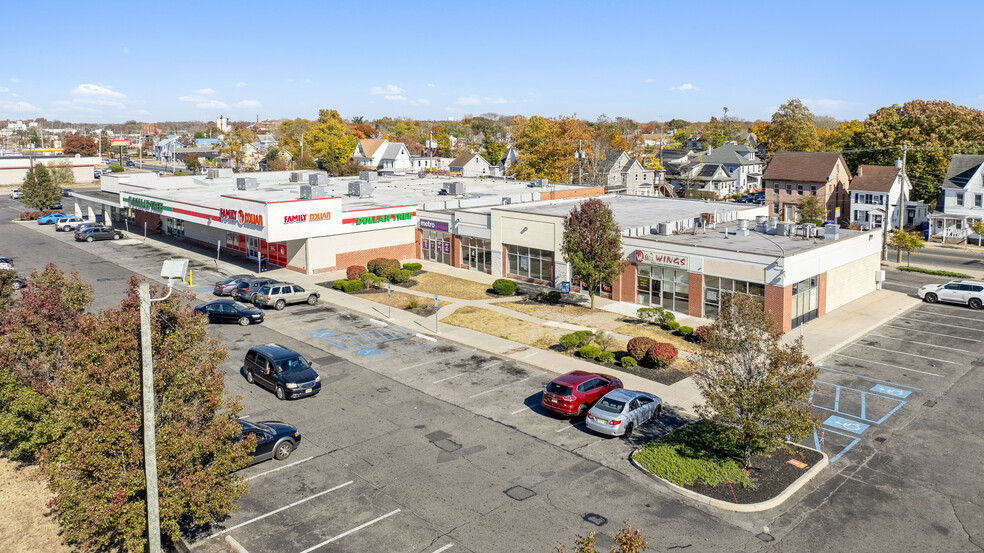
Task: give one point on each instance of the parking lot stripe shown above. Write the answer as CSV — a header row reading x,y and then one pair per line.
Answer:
x,y
418,365
934,323
521,410
887,365
356,529
922,343
280,468
571,426
910,354
445,548
284,508
910,329
448,378
949,316
490,390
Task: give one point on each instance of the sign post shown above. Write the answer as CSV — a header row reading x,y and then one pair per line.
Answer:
x,y
218,249
145,231
389,302
435,313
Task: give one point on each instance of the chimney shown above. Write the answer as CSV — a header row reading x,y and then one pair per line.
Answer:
x,y
860,168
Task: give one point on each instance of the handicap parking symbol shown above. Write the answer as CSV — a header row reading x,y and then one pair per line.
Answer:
x,y
889,391
845,424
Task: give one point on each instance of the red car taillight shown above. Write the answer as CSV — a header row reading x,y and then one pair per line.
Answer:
x,y
568,398
615,422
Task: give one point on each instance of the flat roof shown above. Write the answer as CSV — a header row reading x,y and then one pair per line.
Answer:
x,y
636,211
754,243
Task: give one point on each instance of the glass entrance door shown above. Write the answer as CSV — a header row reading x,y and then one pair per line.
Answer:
x,y
648,289
252,247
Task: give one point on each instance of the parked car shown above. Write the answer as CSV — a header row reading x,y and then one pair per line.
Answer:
x,y
967,292
274,439
50,218
286,372
227,286
7,263
68,223
279,294
15,194
621,411
230,311
91,234
18,282
575,392
248,287
67,192
86,224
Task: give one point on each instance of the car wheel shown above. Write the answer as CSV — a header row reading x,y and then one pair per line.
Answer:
x,y
974,303
117,236
284,450
249,376
931,298
88,239
581,410
658,411
312,299
16,285
243,321
281,394
628,430
279,305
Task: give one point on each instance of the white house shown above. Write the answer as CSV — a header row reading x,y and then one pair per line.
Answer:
x,y
470,165
424,163
961,200
740,161
508,159
382,155
875,193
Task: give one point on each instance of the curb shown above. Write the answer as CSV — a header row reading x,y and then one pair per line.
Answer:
x,y
738,507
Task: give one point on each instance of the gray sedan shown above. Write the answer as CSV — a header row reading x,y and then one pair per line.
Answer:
x,y
620,411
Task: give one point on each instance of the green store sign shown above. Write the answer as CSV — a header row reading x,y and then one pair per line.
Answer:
x,y
141,203
384,218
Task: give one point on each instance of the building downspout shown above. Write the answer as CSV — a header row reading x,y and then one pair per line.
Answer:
x,y
308,270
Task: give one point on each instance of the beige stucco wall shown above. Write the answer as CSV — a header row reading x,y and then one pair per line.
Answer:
x,y
851,281
371,239
533,231
733,269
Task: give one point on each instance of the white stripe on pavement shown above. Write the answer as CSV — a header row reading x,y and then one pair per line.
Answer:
x,y
910,354
294,504
356,529
910,329
445,548
490,390
922,343
281,468
448,378
886,364
571,426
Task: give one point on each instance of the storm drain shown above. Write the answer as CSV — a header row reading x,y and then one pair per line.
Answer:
x,y
519,493
382,390
595,518
929,403
880,439
765,537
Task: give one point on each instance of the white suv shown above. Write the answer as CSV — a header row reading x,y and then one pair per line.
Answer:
x,y
68,223
15,194
967,292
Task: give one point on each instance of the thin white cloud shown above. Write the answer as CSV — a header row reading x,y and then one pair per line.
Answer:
x,y
212,104
126,50
4,89
141,112
395,97
685,87
191,98
388,90
206,91
14,80
469,101
248,104
650,80
240,83
96,90
423,101
496,100
18,107
450,109
828,105
431,85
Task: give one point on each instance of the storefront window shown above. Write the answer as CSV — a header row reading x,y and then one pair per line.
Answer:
x,y
436,246
476,254
715,287
530,262
806,299
663,287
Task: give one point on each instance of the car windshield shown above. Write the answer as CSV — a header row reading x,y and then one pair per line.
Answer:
x,y
240,306
264,290
293,365
227,281
610,405
559,389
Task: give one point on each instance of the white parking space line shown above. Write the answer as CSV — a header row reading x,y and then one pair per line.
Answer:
x,y
949,316
571,426
445,548
909,354
356,529
418,365
886,364
448,378
490,390
284,508
910,329
943,324
496,364
923,343
281,468
521,410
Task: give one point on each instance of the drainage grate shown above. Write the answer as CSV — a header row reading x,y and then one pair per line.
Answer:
x,y
519,493
929,403
382,390
880,439
765,537
595,518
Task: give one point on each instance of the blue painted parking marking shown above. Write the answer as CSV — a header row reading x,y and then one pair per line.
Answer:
x,y
366,352
364,341
889,391
819,446
821,367
322,334
845,424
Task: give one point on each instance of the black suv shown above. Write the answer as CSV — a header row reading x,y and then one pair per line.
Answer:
x,y
284,371
248,288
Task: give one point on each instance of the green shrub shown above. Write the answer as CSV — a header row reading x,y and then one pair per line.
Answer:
x,y
686,331
638,346
116,168
381,266
606,357
671,325
180,174
576,340
703,451
553,296
370,279
656,315
413,303
661,355
933,272
348,285
413,266
589,352
647,314
504,287
604,339
629,361
398,276
354,272
665,318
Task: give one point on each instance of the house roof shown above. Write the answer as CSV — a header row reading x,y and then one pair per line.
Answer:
x,y
962,168
875,178
803,166
462,160
728,153
370,145
712,172
392,150
606,165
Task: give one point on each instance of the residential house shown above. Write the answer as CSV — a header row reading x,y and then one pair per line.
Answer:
x,y
429,163
508,159
618,172
741,162
382,155
876,191
704,177
961,201
470,165
694,142
792,176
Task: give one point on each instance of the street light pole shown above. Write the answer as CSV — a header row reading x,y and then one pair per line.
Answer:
x,y
149,423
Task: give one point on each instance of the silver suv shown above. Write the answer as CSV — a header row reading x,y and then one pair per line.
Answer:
x,y
967,292
279,294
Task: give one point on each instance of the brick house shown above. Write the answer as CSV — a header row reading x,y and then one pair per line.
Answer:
x,y
792,176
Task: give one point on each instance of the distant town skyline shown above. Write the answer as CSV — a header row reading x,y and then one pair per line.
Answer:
x,y
640,60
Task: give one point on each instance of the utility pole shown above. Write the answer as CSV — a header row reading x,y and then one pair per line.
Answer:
x,y
904,179
149,423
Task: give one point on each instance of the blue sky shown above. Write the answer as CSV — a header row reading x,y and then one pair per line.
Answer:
x,y
110,62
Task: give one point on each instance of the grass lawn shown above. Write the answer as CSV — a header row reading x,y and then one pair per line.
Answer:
x,y
950,274
494,323
449,286
401,299
700,452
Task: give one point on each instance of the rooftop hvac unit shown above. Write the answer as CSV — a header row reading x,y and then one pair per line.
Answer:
x,y
318,179
360,189
297,176
782,229
809,230
421,174
664,229
539,183
368,176
742,224
831,231
246,183
213,173
305,192
456,188
506,201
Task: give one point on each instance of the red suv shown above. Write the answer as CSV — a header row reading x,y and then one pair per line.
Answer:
x,y
575,392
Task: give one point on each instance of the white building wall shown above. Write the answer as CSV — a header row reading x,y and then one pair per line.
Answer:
x,y
851,281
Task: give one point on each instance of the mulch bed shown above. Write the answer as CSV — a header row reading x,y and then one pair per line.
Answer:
x,y
771,475
667,376
380,290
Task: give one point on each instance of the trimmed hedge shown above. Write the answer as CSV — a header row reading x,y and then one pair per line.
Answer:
x,y
576,340
348,285
589,352
413,266
672,325
398,276
629,361
638,346
116,168
504,287
354,272
661,355
933,272
686,331
382,265
606,357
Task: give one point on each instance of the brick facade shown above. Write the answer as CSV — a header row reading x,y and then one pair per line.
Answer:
x,y
779,302
821,295
401,252
695,300
575,193
624,288
456,251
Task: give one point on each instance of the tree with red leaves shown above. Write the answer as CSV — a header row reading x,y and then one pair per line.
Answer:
x,y
77,144
593,244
